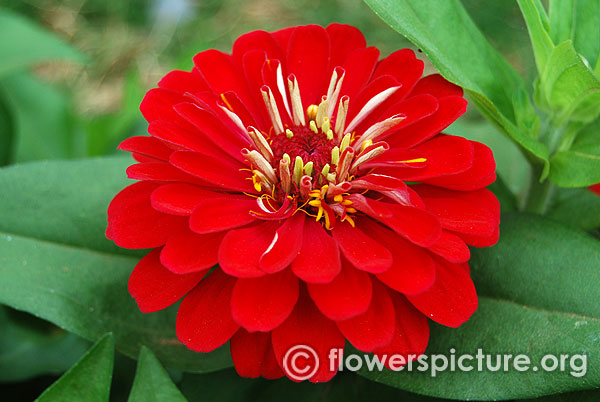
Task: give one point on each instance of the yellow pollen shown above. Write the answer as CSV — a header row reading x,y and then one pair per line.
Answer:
x,y
338,198
256,182
350,220
315,203
226,102
417,160
311,112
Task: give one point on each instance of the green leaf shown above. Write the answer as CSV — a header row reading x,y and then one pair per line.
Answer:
x,y
561,19
577,167
28,349
227,386
578,208
89,380
50,134
535,299
7,132
456,47
152,383
537,25
24,44
586,33
568,88
56,264
582,396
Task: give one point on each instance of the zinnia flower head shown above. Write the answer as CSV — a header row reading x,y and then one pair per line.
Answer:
x,y
315,176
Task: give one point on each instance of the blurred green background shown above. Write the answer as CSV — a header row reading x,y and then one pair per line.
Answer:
x,y
111,53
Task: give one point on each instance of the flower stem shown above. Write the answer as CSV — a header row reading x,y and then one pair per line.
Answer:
x,y
539,194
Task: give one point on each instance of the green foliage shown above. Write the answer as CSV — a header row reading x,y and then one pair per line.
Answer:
x,y
456,47
88,380
56,263
534,299
152,383
30,347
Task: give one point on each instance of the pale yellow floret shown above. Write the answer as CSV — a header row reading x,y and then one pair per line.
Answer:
x,y
313,127
311,112
289,133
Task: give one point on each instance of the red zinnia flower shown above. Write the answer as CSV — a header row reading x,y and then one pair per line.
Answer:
x,y
317,179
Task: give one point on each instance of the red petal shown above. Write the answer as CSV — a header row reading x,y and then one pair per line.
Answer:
x,y
411,334
285,245
359,66
374,328
253,356
158,105
307,326
451,247
256,40
437,86
154,287
261,304
159,171
319,258
187,252
213,129
178,198
451,300
471,213
412,271
148,146
308,59
248,352
241,249
481,241
344,40
361,250
445,154
133,223
348,295
184,81
204,319
405,67
481,173
219,72
219,172
449,109
221,213
414,224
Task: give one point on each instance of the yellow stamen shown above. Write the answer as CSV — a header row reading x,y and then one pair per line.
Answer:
x,y
350,220
335,156
308,168
417,160
315,203
289,133
311,112
226,102
313,127
346,202
320,213
338,198
351,210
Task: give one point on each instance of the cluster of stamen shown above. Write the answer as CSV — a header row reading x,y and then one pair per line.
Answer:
x,y
309,165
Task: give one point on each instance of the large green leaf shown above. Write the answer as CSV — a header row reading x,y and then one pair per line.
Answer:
x,y
152,383
578,208
29,349
536,298
56,264
24,43
456,47
89,380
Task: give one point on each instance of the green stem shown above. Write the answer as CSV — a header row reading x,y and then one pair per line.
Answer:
x,y
539,194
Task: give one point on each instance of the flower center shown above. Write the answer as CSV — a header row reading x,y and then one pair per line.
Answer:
x,y
302,142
